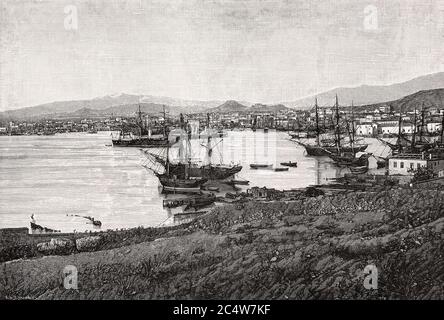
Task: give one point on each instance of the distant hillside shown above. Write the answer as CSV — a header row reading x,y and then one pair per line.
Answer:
x,y
366,95
430,98
127,110
229,106
104,105
234,106
124,104
259,107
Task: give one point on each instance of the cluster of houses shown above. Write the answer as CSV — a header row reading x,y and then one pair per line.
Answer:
x,y
282,120
384,121
49,127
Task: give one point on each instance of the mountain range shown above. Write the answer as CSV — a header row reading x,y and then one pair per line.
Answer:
x,y
234,106
366,95
428,98
126,104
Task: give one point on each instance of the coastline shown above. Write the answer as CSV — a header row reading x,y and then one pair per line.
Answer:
x,y
313,248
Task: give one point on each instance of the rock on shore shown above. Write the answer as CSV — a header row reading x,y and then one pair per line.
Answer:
x,y
313,248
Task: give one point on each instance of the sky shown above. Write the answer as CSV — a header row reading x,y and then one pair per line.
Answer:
x,y
265,51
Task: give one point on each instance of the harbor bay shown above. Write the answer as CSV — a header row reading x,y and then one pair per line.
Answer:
x,y
221,155
56,177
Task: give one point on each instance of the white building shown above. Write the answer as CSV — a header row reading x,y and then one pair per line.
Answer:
x,y
366,129
434,127
403,164
391,127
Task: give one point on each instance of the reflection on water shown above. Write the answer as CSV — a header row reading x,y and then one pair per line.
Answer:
x,y
54,177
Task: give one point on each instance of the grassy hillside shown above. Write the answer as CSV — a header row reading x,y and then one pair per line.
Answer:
x,y
313,248
372,94
429,98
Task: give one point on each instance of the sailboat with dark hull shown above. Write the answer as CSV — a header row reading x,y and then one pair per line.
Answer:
x,y
345,158
326,148
172,181
209,170
415,144
175,179
145,138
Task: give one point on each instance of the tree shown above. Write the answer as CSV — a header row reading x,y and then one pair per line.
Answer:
x,y
422,174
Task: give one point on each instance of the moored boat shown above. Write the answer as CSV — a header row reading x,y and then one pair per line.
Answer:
x,y
239,182
289,164
260,166
145,139
174,182
325,148
212,188
36,228
190,201
168,189
207,170
358,169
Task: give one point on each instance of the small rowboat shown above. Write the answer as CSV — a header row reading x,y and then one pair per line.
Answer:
x,y
280,169
240,182
35,228
260,166
189,201
212,188
289,164
97,223
359,170
181,189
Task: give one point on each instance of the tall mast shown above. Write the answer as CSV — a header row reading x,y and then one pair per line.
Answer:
x,y
139,121
414,131
167,162
350,135
209,149
188,150
183,135
442,129
317,122
351,131
324,120
338,133
398,142
353,123
422,122
164,122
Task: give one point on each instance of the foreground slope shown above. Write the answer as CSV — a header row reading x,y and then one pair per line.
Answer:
x,y
312,248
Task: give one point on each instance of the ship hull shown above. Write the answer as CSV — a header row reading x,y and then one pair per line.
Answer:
x,y
167,189
141,142
170,182
359,170
325,151
261,166
209,172
349,160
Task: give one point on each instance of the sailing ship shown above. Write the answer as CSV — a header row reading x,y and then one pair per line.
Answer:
x,y
37,229
144,139
406,159
404,144
190,201
343,158
289,164
327,147
359,169
177,179
261,166
208,170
